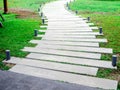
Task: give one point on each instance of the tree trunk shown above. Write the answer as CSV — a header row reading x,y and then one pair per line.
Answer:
x,y
5,6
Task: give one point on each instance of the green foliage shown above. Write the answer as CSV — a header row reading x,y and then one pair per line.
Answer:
x,y
96,6
111,29
104,14
102,73
24,4
16,34
3,67
110,21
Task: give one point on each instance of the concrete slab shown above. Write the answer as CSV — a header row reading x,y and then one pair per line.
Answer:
x,y
66,43
68,23
54,66
62,24
72,36
77,40
93,28
74,48
62,76
68,20
65,25
63,53
83,27
65,30
72,33
73,60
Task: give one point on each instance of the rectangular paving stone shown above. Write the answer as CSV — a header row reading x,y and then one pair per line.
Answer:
x,y
65,30
67,25
65,22
71,26
67,15
89,44
73,60
94,28
55,20
62,76
59,20
73,33
77,40
63,53
74,48
74,23
74,36
54,66
65,19
69,29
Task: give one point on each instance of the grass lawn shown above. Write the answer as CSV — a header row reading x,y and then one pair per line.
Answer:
x,y
105,13
16,34
19,27
25,4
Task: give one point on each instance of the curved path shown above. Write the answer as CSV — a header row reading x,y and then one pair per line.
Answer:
x,y
69,51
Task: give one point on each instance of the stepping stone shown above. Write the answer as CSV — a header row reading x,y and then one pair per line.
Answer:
x,y
53,18
62,24
74,48
63,53
72,60
54,66
54,21
89,44
92,36
67,24
77,40
73,33
94,28
66,19
70,29
50,34
58,21
75,22
65,30
66,77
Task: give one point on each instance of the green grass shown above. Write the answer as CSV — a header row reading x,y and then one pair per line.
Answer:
x,y
107,17
24,4
111,29
16,34
106,14
96,6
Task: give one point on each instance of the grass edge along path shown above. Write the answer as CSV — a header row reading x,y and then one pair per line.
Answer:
x,y
19,27
107,17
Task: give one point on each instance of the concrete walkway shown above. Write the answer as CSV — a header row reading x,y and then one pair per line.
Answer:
x,y
69,51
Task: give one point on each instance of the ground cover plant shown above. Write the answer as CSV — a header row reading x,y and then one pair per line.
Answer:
x,y
19,26
105,13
